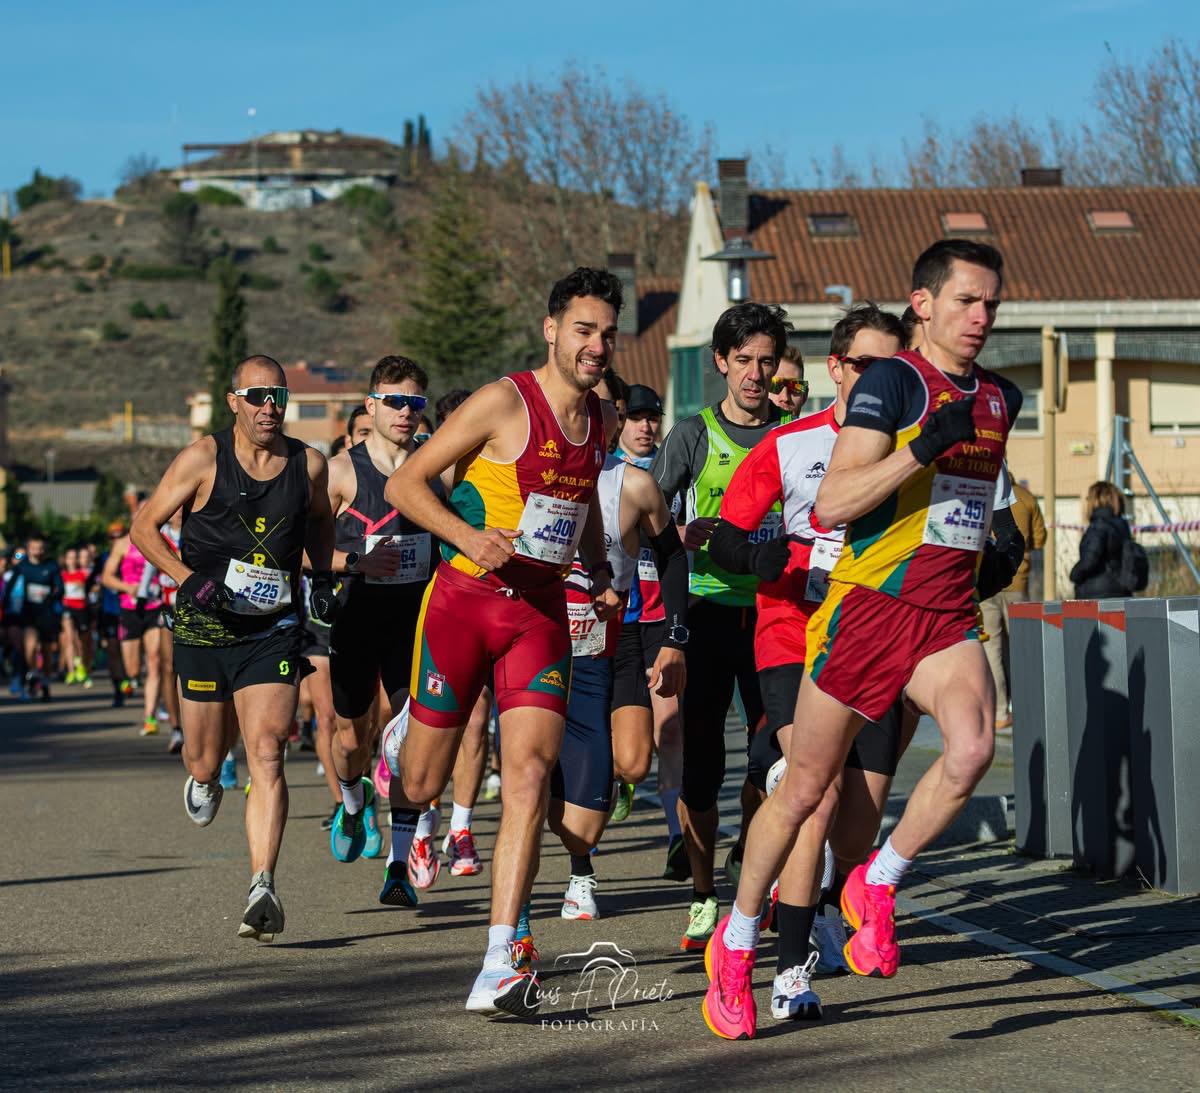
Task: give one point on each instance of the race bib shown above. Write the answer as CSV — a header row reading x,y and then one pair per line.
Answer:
x,y
74,590
825,553
960,512
550,528
768,529
257,589
588,634
37,593
414,557
646,569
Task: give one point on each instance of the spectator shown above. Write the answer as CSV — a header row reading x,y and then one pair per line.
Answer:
x,y
1032,527
1098,572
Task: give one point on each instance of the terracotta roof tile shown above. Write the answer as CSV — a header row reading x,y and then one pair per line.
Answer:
x,y
645,358
1050,250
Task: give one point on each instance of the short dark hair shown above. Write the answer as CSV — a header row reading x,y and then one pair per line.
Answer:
x,y
355,414
338,445
865,315
397,370
738,324
450,402
585,281
932,269
909,321
792,354
235,381
617,387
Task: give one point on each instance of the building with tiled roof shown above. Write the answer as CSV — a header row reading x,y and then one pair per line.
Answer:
x,y
1115,269
642,355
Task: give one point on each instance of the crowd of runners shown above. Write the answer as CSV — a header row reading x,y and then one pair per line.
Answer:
x,y
535,582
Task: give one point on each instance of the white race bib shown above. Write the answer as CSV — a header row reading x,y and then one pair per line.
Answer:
x,y
550,528
768,529
74,590
825,553
646,569
588,634
960,512
256,588
37,593
414,557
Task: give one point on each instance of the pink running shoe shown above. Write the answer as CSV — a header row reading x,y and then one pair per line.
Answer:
x,y
459,847
870,909
423,863
382,778
728,1007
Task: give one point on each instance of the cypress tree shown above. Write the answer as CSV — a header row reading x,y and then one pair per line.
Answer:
x,y
229,339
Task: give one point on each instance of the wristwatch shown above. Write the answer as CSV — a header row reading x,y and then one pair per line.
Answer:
x,y
678,635
352,560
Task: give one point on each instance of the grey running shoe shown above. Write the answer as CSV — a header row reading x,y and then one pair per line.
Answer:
x,y
201,802
264,913
792,996
828,937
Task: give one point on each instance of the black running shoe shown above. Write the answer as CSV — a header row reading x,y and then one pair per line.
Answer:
x,y
679,866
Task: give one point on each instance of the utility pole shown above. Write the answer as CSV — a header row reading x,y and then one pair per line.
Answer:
x,y
1050,463
5,246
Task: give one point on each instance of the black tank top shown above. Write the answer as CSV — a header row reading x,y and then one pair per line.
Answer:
x,y
247,526
369,514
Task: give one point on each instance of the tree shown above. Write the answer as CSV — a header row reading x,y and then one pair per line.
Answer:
x,y
46,188
182,238
456,328
138,173
108,502
18,512
229,345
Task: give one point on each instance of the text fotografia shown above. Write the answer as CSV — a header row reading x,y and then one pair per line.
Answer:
x,y
598,1024
608,978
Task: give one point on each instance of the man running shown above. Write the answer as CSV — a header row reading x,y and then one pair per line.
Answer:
x,y
386,560
527,451
254,502
913,475
696,462
39,616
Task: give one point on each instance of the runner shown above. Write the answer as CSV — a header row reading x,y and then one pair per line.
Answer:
x,y
316,699
581,786
386,562
527,451
254,501
912,475
108,619
166,640
37,581
77,618
127,574
789,389
696,462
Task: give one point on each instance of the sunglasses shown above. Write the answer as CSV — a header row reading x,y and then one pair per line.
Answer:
x,y
799,388
415,403
257,396
858,363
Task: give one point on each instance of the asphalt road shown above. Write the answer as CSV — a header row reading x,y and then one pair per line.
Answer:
x,y
121,966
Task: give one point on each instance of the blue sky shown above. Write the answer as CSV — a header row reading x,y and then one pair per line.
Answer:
x,y
86,85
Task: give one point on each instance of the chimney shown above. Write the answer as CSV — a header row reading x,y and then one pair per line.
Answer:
x,y
735,197
1036,177
622,266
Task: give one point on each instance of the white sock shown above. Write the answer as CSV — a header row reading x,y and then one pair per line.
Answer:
x,y
404,826
888,867
352,795
829,870
742,931
499,939
460,817
670,802
428,822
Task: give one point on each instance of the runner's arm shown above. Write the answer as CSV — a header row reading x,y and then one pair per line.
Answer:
x,y
318,533
184,477
109,577
592,548
340,475
861,474
756,487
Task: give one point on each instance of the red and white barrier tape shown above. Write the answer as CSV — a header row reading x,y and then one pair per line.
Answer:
x,y
1137,529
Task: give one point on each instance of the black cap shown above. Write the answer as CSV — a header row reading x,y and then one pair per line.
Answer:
x,y
643,400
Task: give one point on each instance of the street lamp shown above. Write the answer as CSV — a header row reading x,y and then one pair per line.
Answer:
x,y
735,254
251,113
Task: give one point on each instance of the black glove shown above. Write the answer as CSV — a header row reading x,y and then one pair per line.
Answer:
x,y
996,571
205,593
322,597
946,426
770,559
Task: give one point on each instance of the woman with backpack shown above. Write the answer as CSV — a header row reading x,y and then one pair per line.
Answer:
x,y
1110,563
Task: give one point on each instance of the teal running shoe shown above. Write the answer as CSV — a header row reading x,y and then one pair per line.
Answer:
x,y
229,772
348,835
397,890
373,842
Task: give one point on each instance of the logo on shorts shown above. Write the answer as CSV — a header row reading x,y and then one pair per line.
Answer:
x,y
435,683
284,667
201,684
549,450
553,678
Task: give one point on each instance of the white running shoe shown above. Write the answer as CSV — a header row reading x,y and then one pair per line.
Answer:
x,y
579,902
394,733
201,802
792,996
828,937
502,988
263,918
775,775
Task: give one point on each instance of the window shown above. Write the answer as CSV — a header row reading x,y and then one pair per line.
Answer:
x,y
1029,420
311,410
831,225
965,224
1106,221
1174,403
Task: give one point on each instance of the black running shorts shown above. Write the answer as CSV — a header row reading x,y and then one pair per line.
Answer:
x,y
637,649
371,639
212,673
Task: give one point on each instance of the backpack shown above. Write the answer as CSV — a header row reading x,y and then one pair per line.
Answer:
x,y
1134,571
